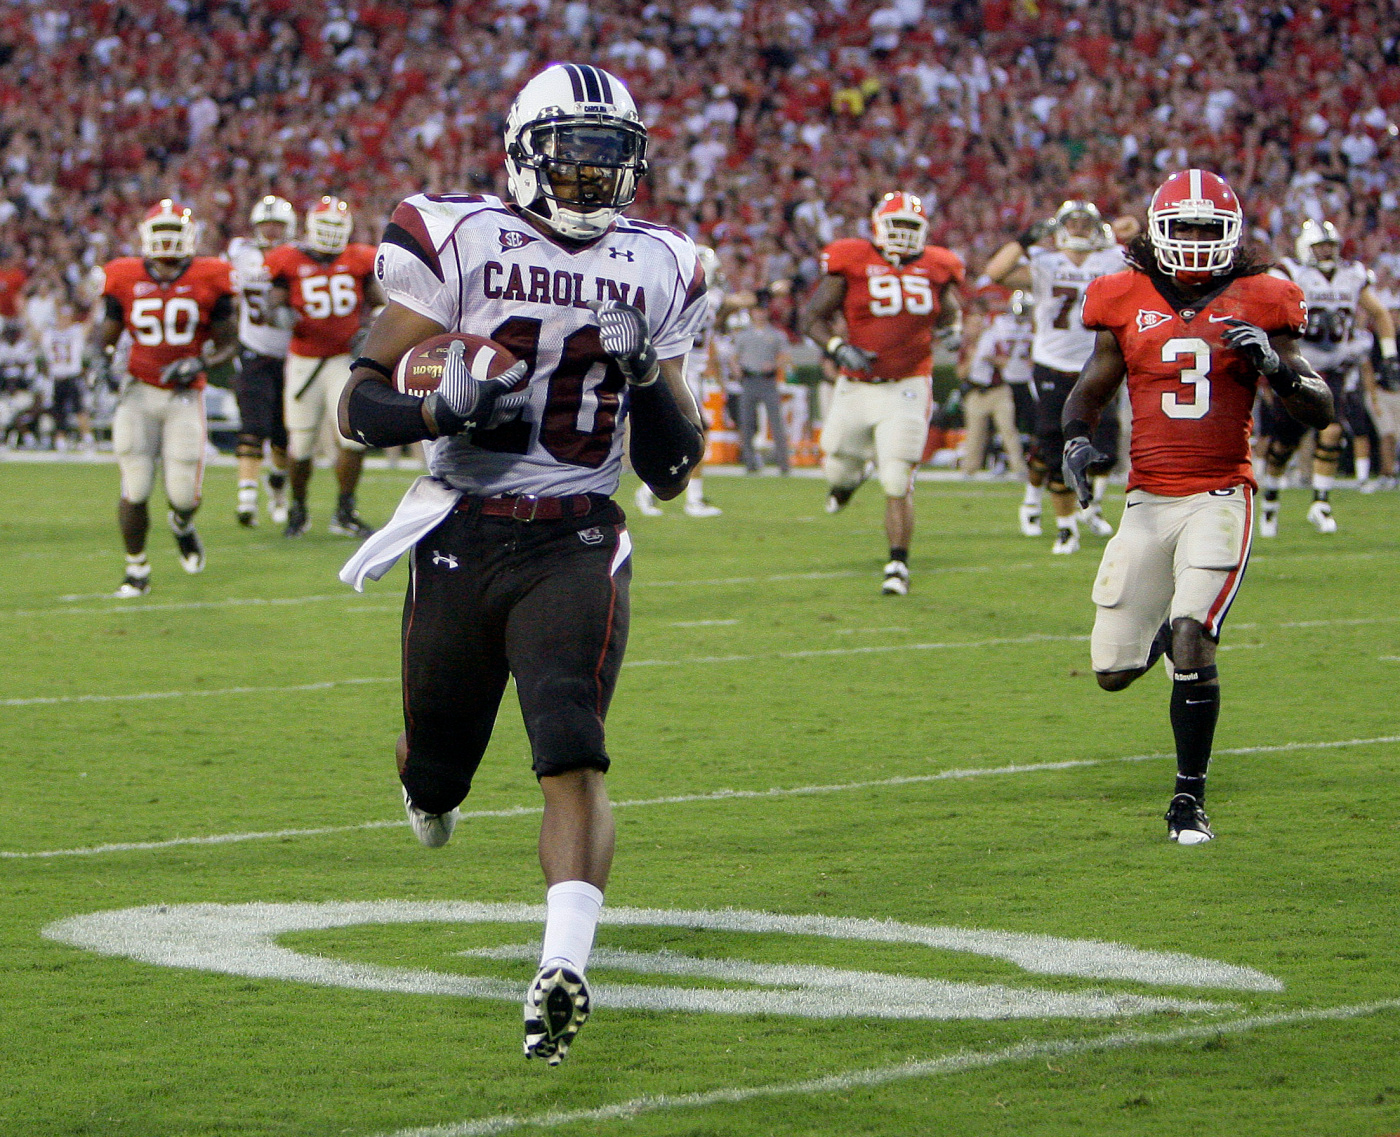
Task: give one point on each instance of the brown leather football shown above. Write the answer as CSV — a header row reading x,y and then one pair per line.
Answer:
x,y
420,370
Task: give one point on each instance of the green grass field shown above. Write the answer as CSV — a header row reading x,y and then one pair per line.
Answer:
x,y
787,742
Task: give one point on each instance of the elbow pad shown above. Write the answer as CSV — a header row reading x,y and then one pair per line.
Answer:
x,y
666,445
377,415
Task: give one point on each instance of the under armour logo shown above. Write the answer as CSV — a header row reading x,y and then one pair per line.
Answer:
x,y
444,559
678,468
619,254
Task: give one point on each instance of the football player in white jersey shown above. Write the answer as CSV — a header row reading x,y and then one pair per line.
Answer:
x,y
1334,289
1085,249
700,364
520,562
262,354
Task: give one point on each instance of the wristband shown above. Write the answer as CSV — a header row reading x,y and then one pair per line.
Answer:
x,y
1387,347
373,364
1075,428
1285,381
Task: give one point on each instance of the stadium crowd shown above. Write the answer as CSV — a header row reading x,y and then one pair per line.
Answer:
x,y
775,124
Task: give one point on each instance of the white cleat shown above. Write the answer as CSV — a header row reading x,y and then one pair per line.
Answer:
x,y
1066,542
556,1006
1320,514
1099,525
1268,523
433,830
701,508
1029,517
646,502
896,581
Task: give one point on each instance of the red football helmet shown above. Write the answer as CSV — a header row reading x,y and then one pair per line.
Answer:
x,y
1200,197
168,231
329,225
899,226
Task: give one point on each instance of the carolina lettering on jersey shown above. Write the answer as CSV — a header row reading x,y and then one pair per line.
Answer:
x,y
472,264
891,309
1330,340
1192,395
1061,341
252,282
327,295
167,320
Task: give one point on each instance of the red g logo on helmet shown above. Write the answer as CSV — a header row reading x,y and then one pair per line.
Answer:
x,y
168,231
899,226
1195,198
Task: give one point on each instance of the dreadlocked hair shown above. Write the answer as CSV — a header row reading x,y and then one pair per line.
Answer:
x,y
1142,256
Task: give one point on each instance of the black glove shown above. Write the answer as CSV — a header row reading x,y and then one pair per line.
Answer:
x,y
950,336
183,372
849,356
1388,375
627,339
1036,233
465,402
102,374
1079,456
1253,342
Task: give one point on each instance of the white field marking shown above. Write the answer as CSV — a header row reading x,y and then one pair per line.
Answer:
x,y
145,696
713,795
1389,658
884,1075
241,939
866,631
702,623
869,649
176,606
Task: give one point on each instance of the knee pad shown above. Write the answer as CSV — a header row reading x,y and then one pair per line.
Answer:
x,y
1327,451
842,472
896,478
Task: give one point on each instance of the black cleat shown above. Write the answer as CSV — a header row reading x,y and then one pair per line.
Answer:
x,y
297,520
348,523
556,1006
837,497
1187,823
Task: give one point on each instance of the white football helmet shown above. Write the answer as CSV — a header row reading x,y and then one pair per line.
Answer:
x,y
1089,232
1310,236
168,231
273,209
899,226
575,149
329,224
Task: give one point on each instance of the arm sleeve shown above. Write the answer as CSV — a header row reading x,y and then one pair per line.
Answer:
x,y
665,444
380,416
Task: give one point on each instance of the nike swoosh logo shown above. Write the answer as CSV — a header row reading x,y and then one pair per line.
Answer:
x,y
1221,319
1133,503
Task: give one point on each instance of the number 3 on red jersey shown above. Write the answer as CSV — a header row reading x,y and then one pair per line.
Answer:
x,y
1197,375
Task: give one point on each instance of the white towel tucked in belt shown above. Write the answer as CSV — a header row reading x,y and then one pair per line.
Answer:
x,y
422,510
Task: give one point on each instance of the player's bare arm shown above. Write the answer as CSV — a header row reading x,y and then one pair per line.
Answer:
x,y
1008,266
1311,401
949,325
1098,382
223,336
1383,327
816,324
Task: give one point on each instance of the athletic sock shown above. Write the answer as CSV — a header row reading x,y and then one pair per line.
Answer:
x,y
247,494
571,918
1195,709
900,555
695,492
345,503
1363,469
276,479
137,565
1321,491
1033,494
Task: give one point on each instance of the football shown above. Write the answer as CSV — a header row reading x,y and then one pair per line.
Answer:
x,y
420,370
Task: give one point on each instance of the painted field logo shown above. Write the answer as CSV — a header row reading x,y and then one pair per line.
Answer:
x,y
241,939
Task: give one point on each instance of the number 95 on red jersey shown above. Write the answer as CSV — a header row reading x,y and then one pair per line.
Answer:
x,y
891,309
1192,395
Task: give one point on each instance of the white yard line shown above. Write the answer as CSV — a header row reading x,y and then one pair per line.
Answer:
x,y
144,696
712,795
904,1071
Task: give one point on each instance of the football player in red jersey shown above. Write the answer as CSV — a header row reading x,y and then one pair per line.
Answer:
x,y
895,294
1192,324
179,312
323,289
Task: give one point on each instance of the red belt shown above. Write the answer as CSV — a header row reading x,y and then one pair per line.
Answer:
x,y
528,507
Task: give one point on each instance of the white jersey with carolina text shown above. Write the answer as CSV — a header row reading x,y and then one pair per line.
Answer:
x,y
62,350
1062,342
472,264
1330,340
1003,347
699,356
252,283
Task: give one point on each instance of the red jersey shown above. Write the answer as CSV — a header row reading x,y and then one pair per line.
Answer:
x,y
1192,395
327,295
12,281
167,319
891,309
